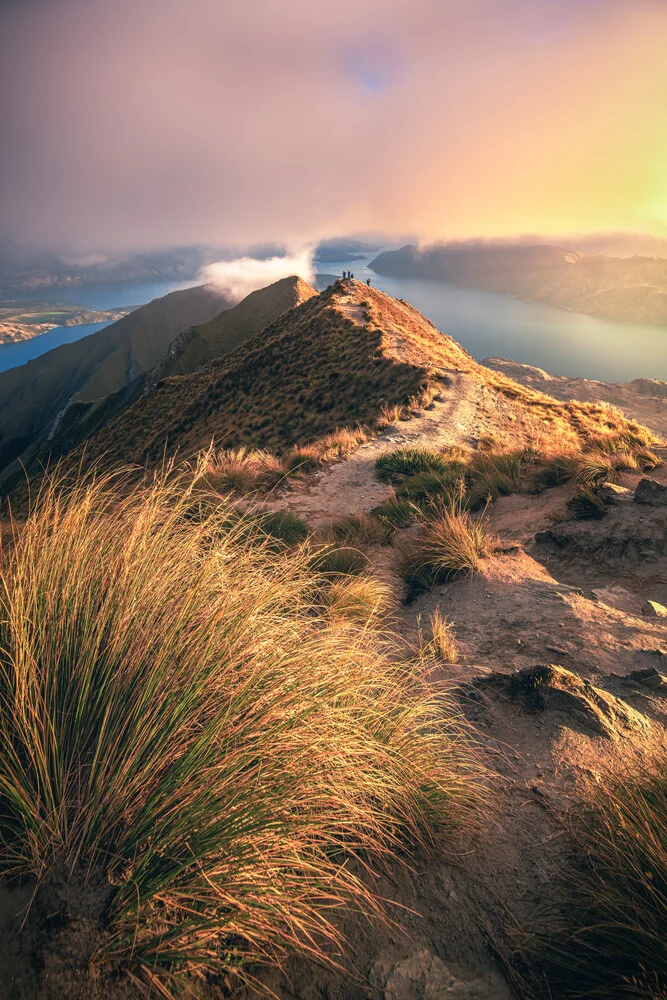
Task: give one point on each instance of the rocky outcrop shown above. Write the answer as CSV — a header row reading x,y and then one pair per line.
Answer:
x,y
629,536
654,610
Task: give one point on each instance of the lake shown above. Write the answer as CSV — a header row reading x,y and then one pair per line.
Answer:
x,y
488,325
560,341
93,297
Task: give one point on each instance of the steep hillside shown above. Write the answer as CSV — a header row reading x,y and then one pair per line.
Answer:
x,y
339,359
199,344
83,417
628,289
34,395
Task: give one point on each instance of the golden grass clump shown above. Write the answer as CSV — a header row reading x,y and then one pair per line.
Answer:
x,y
440,642
450,544
341,442
240,470
358,599
180,716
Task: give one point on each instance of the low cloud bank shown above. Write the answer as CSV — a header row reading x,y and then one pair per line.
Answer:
x,y
237,278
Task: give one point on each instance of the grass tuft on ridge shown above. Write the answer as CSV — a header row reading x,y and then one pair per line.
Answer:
x,y
180,715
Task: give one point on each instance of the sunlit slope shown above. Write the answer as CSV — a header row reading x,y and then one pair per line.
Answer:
x,y
339,359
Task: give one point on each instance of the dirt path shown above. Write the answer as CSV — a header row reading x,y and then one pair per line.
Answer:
x,y
350,485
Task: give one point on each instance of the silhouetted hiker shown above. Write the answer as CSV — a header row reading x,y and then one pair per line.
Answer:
x,y
368,282
351,275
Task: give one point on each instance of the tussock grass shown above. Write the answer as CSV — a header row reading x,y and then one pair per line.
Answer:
x,y
361,529
303,460
178,714
425,486
440,643
361,600
494,474
397,512
586,504
450,544
613,939
397,465
282,525
331,560
341,442
240,470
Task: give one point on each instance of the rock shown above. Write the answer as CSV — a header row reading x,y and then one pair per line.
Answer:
x,y
654,610
424,976
557,689
630,536
650,678
613,493
651,492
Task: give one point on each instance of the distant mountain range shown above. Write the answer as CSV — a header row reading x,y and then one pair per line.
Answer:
x,y
633,289
26,271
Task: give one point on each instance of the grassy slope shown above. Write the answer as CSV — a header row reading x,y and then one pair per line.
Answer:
x,y
314,370
186,353
231,328
306,374
633,288
32,395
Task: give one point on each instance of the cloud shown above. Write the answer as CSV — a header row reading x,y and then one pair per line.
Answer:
x,y
147,123
237,278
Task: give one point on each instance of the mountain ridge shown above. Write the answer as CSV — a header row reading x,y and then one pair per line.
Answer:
x,y
339,359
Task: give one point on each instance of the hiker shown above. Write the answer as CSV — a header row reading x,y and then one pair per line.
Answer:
x,y
368,282
351,275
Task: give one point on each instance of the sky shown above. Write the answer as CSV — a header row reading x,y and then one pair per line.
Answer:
x,y
138,124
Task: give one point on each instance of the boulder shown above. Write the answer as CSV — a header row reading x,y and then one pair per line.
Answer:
x,y
650,678
613,493
651,492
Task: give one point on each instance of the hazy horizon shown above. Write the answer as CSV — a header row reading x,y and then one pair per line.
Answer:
x,y
145,124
